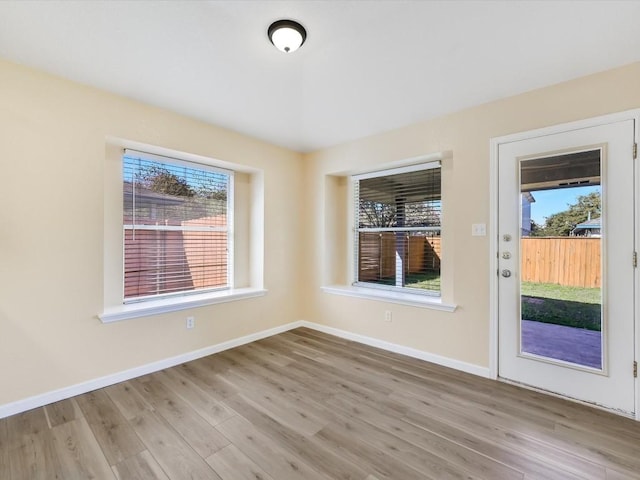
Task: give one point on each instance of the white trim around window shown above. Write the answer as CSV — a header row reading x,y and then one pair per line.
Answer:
x,y
174,304
339,190
245,280
389,296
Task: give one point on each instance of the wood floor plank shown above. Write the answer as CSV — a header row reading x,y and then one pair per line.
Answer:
x,y
79,453
307,405
286,411
216,364
4,450
430,465
495,428
365,455
231,464
128,400
170,450
30,442
261,449
461,456
393,379
31,422
285,379
112,431
389,361
524,462
618,475
275,356
326,460
605,448
201,373
196,431
333,380
252,363
62,412
35,458
201,401
539,443
327,384
294,348
560,408
139,467
431,397
600,470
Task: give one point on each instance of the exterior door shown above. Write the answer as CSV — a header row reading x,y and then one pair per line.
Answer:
x,y
566,280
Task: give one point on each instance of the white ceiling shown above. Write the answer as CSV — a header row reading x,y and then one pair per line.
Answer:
x,y
367,66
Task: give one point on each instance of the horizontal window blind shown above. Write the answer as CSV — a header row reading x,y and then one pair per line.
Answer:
x,y
177,224
398,224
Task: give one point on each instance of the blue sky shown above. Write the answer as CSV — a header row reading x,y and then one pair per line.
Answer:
x,y
552,201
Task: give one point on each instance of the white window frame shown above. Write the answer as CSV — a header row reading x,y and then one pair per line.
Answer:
x,y
404,290
228,229
251,282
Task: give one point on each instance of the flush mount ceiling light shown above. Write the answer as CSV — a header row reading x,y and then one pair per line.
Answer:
x,y
287,35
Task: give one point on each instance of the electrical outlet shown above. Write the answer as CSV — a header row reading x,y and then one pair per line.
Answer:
x,y
387,316
191,322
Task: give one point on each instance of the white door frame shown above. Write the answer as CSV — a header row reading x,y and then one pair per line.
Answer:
x,y
493,227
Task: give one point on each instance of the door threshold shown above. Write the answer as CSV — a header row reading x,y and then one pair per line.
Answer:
x,y
620,413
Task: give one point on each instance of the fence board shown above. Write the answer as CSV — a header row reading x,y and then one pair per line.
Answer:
x,y
568,261
378,255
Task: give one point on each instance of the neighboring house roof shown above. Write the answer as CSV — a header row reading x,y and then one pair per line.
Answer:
x,y
149,197
169,209
593,224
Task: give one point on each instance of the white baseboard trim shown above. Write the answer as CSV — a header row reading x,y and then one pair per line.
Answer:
x,y
408,351
80,388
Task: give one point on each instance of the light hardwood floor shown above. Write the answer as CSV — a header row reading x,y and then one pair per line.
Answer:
x,y
305,405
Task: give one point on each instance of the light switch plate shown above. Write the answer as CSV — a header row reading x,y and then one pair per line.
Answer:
x,y
479,229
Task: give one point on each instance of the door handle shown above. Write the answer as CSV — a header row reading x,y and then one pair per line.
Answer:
x,y
506,273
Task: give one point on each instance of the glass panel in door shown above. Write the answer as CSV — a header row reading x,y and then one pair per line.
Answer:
x,y
561,259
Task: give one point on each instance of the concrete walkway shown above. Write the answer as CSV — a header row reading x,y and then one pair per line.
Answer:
x,y
575,345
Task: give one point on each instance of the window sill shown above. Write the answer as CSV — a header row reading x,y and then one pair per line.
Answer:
x,y
413,300
155,307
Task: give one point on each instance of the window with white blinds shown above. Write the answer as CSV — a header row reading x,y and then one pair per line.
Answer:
x,y
397,228
177,222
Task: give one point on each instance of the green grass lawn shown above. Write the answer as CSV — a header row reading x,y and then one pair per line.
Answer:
x,y
569,306
558,292
424,281
541,302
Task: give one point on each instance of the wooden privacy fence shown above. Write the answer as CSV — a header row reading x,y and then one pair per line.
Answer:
x,y
568,261
377,255
165,261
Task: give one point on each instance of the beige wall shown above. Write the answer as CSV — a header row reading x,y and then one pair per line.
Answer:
x,y
464,334
55,137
